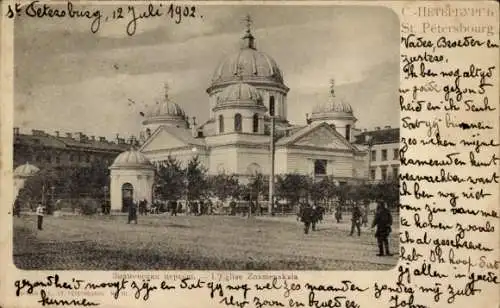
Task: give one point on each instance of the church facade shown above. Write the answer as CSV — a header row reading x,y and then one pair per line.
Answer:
x,y
247,102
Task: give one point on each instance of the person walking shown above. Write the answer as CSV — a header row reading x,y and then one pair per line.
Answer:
x,y
383,222
366,212
356,219
17,208
40,210
132,212
173,207
307,217
338,213
316,212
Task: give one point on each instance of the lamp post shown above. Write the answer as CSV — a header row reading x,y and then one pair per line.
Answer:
x,y
52,198
193,150
271,176
105,188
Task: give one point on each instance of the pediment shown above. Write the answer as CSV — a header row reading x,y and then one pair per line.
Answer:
x,y
163,140
322,138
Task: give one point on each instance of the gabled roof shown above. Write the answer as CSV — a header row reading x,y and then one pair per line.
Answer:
x,y
306,130
182,134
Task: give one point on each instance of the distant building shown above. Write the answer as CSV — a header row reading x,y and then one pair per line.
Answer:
x,y
45,150
383,145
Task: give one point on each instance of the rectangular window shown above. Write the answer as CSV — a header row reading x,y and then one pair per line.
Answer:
x,y
395,171
374,155
396,154
384,173
320,167
384,154
372,174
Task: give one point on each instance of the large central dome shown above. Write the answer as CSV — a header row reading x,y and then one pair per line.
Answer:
x,y
247,64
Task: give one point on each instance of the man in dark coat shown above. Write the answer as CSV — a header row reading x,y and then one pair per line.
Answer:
x,y
172,204
307,216
383,221
338,213
132,212
356,219
17,208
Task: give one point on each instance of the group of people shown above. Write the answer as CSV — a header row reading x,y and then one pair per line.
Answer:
x,y
311,215
136,206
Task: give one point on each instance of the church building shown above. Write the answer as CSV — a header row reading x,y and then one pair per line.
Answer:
x,y
247,102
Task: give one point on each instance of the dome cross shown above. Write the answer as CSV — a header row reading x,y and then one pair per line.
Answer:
x,y
248,22
248,39
332,87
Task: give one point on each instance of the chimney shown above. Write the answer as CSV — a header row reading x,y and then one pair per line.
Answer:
x,y
387,127
16,131
377,127
57,133
68,135
102,139
80,136
37,132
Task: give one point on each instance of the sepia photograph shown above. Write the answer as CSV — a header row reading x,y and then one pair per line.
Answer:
x,y
212,137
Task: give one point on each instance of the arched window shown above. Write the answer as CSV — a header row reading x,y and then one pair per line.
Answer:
x,y
237,122
221,123
348,132
255,123
271,105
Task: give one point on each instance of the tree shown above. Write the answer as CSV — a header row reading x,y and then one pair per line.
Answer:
x,y
293,187
196,179
37,188
170,180
223,186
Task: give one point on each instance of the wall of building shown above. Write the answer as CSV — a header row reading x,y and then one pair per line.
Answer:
x,y
390,163
141,180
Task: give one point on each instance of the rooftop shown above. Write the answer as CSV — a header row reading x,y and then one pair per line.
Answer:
x,y
72,140
378,136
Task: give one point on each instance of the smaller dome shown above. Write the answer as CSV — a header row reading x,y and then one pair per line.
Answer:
x,y
131,159
25,170
166,108
240,95
333,108
240,92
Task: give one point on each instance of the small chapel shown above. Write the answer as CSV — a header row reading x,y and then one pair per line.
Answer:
x,y
247,102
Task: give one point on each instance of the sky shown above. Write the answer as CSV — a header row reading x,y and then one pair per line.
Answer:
x,y
68,79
